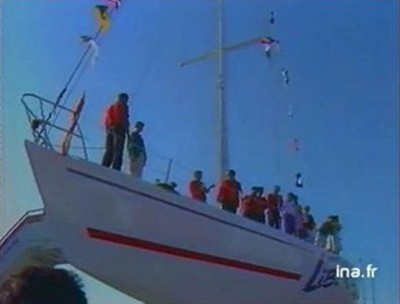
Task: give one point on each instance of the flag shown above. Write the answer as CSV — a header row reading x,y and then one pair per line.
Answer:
x,y
266,40
299,180
66,143
285,74
290,110
296,144
272,17
85,38
93,48
115,3
101,13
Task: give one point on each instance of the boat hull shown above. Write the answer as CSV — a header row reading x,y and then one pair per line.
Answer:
x,y
159,247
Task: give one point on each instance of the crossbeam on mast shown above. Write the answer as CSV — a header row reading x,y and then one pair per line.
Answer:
x,y
223,157
214,53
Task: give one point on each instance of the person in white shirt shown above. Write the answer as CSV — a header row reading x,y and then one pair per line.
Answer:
x,y
288,211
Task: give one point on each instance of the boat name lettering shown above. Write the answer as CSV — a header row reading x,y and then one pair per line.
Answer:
x,y
321,278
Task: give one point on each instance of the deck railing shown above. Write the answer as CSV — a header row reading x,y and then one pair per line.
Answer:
x,y
23,219
42,115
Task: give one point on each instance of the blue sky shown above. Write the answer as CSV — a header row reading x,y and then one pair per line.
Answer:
x,y
343,61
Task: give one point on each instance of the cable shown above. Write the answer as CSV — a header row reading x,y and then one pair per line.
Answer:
x,y
72,75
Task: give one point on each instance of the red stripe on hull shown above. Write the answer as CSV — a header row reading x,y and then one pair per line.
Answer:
x,y
188,254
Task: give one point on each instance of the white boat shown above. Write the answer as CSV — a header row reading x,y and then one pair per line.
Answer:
x,y
159,247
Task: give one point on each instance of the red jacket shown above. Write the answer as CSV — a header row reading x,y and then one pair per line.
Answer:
x,y
228,192
197,190
117,115
274,201
253,205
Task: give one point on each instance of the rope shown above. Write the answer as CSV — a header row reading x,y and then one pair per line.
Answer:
x,y
73,74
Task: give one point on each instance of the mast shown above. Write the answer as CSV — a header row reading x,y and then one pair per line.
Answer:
x,y
218,54
222,145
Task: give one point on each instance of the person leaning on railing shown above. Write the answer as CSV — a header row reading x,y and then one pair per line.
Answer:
x,y
328,234
116,123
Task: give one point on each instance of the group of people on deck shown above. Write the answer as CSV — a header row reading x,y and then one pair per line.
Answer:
x,y
286,214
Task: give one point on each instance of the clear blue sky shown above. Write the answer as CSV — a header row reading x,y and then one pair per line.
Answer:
x,y
343,61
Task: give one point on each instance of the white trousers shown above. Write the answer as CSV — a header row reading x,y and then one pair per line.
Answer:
x,y
136,166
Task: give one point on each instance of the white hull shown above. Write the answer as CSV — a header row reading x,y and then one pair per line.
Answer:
x,y
159,247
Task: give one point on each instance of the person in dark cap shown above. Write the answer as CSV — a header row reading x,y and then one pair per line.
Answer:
x,y
116,123
137,151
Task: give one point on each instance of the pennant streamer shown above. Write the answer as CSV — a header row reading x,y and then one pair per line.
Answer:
x,y
267,40
268,43
299,180
101,13
272,17
290,110
285,74
296,145
93,46
115,3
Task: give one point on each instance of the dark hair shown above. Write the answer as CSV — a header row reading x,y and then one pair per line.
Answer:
x,y
123,96
139,123
42,285
232,172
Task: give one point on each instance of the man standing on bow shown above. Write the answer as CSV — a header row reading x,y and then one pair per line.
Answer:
x,y
117,128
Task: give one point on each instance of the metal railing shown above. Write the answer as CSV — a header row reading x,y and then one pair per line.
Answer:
x,y
40,112
20,223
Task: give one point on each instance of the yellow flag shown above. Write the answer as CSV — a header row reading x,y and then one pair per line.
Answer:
x,y
101,13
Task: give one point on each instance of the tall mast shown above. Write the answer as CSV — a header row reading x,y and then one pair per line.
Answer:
x,y
222,145
221,121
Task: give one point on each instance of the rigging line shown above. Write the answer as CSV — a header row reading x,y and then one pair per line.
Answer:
x,y
81,61
71,90
72,76
77,67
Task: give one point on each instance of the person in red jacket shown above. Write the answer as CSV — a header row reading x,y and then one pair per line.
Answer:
x,y
117,128
229,192
198,191
254,205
